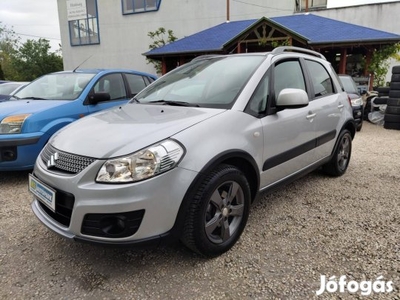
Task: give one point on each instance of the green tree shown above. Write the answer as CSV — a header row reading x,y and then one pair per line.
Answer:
x,y
8,46
160,37
379,64
34,59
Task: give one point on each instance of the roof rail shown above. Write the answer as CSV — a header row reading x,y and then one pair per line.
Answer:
x,y
205,56
283,49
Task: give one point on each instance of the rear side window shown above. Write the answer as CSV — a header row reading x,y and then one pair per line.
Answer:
x,y
320,79
136,83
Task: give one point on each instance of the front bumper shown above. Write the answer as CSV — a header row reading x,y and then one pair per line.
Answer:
x,y
19,152
358,114
159,197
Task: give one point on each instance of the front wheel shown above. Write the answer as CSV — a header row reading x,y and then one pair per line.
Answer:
x,y
340,160
218,212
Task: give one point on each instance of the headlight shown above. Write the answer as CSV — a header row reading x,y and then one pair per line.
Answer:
x,y
357,102
12,124
143,164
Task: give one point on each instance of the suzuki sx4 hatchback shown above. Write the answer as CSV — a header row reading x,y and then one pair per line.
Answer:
x,y
188,155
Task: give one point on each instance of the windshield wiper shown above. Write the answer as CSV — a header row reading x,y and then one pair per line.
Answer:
x,y
174,103
134,100
32,98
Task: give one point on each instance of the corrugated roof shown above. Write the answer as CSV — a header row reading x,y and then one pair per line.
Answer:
x,y
211,39
311,28
321,30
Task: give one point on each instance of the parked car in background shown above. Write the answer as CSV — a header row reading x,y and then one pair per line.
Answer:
x,y
356,99
189,154
8,89
55,100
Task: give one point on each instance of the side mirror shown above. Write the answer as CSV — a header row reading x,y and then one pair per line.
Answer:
x,y
98,97
292,98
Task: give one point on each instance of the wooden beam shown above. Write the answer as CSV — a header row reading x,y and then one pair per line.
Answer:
x,y
343,61
227,11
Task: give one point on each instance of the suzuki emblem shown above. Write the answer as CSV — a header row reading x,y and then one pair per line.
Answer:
x,y
52,161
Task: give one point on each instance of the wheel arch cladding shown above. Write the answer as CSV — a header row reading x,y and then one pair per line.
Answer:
x,y
238,158
350,126
241,160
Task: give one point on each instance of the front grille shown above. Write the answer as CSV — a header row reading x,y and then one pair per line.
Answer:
x,y
63,161
116,225
64,206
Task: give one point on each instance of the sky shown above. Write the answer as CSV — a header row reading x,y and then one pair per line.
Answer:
x,y
32,19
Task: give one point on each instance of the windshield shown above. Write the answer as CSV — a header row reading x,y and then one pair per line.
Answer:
x,y
213,82
8,88
60,86
349,84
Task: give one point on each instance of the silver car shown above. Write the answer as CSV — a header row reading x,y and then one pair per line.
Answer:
x,y
190,153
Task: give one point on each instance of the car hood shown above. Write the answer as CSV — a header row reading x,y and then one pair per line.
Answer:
x,y
27,106
127,129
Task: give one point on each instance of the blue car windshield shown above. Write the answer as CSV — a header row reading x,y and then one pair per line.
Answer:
x,y
57,86
213,82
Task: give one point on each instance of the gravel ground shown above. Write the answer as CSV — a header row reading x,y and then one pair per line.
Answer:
x,y
315,226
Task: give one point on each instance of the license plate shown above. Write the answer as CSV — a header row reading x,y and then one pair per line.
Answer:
x,y
42,192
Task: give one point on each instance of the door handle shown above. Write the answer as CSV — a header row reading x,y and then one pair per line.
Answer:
x,y
340,105
311,116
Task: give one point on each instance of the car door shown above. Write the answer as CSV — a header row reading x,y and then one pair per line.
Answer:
x,y
328,108
289,134
113,85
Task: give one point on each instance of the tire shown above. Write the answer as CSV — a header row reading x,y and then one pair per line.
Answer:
x,y
393,110
389,125
396,70
393,102
359,126
394,94
340,160
379,100
394,86
395,78
391,118
218,212
383,90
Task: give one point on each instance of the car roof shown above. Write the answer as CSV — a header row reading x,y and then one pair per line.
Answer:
x,y
99,71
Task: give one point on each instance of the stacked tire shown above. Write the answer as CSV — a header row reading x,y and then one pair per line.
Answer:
x,y
381,98
392,112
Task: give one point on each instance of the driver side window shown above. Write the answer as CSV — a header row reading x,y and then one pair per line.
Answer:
x,y
288,74
112,84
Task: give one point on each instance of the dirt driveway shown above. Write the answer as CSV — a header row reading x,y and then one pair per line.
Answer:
x,y
316,226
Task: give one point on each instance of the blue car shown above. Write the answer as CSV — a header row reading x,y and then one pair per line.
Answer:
x,y
54,101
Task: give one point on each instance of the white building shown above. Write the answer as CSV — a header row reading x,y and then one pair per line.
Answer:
x,y
114,33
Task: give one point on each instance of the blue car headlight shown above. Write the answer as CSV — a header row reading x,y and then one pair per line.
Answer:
x,y
12,124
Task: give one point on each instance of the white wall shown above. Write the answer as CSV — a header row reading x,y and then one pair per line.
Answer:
x,y
124,37
345,3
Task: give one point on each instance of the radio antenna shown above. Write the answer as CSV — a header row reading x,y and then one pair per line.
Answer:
x,y
82,63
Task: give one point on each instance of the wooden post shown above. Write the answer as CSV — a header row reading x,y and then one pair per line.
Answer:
x,y
367,63
306,5
343,61
163,66
227,11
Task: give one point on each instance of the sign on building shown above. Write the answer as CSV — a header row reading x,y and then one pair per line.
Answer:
x,y
76,10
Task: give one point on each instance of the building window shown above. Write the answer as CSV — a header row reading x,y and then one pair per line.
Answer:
x,y
83,22
302,5
139,6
